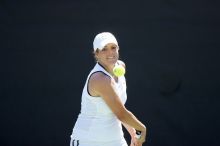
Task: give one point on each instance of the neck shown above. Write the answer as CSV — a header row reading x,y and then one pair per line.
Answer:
x,y
109,69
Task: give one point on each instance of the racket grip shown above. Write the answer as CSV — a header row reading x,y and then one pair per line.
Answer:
x,y
138,134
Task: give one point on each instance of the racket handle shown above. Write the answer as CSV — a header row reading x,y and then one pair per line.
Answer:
x,y
138,134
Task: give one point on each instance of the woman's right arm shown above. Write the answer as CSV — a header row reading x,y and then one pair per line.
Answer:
x,y
103,86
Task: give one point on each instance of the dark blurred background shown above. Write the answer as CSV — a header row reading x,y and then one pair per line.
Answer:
x,y
170,47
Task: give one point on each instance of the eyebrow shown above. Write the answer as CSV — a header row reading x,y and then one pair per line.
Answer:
x,y
111,46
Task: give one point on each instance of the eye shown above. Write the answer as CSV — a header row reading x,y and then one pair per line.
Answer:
x,y
114,47
104,49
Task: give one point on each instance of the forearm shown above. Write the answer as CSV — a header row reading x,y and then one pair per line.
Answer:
x,y
129,119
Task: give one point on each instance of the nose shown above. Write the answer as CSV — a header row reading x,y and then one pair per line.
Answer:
x,y
111,52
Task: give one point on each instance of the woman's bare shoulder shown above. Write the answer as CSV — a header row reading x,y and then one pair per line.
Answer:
x,y
99,78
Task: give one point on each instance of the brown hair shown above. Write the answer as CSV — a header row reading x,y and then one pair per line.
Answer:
x,y
94,52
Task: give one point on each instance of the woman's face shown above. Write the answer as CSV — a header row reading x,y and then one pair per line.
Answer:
x,y
108,56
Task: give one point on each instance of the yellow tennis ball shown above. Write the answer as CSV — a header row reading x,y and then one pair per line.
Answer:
x,y
119,70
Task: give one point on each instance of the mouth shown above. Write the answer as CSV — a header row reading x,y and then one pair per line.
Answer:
x,y
110,58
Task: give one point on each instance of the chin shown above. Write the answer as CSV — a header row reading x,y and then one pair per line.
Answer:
x,y
113,62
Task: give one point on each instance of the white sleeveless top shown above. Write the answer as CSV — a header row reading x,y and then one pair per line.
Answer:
x,y
96,121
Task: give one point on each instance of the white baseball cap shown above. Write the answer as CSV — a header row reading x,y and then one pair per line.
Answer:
x,y
103,39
